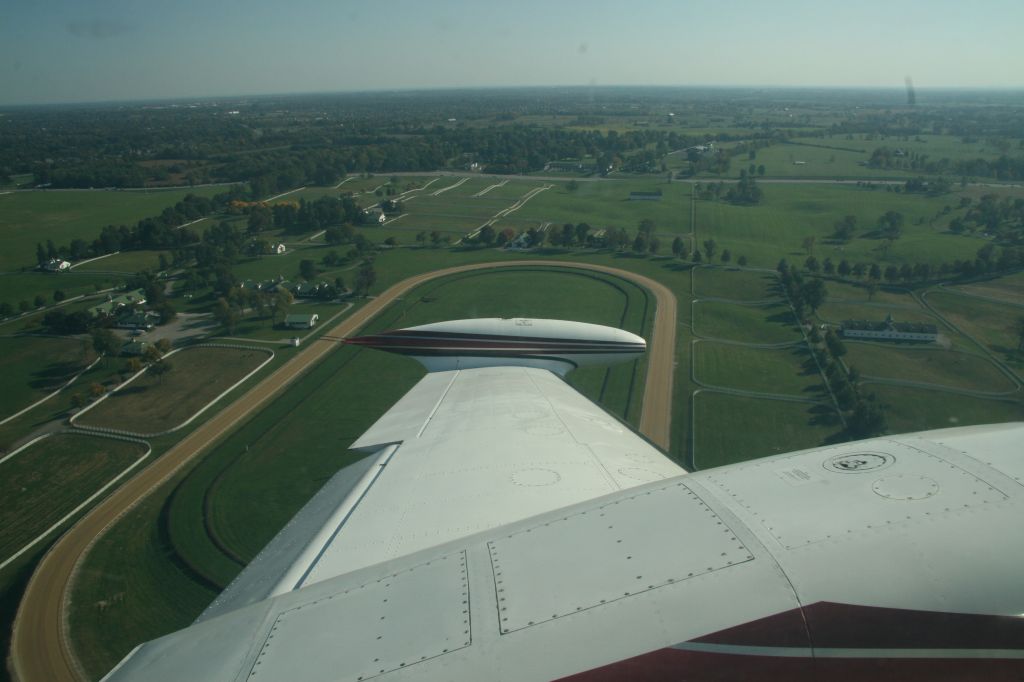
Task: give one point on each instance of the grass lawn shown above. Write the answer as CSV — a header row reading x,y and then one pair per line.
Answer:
x,y
35,366
738,285
767,370
40,485
127,262
770,427
850,292
16,287
913,409
607,204
989,322
776,228
152,405
773,323
783,161
263,328
27,218
1009,288
927,364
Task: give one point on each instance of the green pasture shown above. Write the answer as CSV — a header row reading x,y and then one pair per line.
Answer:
x,y
927,364
990,323
607,204
787,371
837,312
35,366
763,324
936,147
914,409
27,218
803,161
25,286
769,427
125,262
154,404
857,292
735,284
38,486
1009,288
264,328
776,228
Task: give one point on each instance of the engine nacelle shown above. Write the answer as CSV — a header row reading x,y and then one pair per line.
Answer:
x,y
557,345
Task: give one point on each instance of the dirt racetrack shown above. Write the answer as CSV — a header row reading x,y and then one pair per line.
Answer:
x,y
40,647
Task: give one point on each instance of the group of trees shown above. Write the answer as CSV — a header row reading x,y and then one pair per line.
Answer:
x,y
745,192
303,216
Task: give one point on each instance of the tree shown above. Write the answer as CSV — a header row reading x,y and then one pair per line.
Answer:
x,y
726,256
77,401
710,248
226,314
653,245
867,419
872,288
40,301
679,247
639,243
875,273
163,345
96,390
835,345
814,292
280,304
24,306
845,228
487,235
105,342
1018,330
808,244
365,279
59,295
260,218
741,261
159,369
811,264
844,268
827,267
581,231
891,224
307,269
697,258
572,185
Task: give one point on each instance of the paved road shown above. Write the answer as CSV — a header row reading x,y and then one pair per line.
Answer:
x,y
40,647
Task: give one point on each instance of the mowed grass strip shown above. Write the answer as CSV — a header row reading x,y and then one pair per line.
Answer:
x,y
769,427
737,285
915,409
990,323
786,371
927,365
767,324
34,366
41,484
153,405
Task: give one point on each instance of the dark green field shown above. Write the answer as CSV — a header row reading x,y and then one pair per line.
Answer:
x,y
40,485
34,367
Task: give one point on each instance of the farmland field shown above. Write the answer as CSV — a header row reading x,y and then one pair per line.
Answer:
x,y
928,365
913,409
33,367
766,370
770,427
43,483
152,405
762,324
738,285
990,323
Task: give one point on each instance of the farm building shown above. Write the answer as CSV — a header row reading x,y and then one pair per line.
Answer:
x,y
889,330
57,265
135,348
115,304
301,321
375,214
279,248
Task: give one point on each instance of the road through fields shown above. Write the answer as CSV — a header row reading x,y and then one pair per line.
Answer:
x,y
40,647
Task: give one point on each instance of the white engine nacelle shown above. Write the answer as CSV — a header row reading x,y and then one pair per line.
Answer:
x,y
556,345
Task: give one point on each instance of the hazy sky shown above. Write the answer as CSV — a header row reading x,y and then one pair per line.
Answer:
x,y
92,50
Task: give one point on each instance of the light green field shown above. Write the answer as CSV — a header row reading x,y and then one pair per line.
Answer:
x,y
781,161
27,218
772,323
911,409
126,262
607,204
1009,288
936,147
737,285
152,405
33,367
848,292
25,286
837,312
776,228
43,483
770,427
928,365
988,322
766,370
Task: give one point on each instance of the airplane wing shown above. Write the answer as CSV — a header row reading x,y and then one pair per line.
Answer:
x,y
506,528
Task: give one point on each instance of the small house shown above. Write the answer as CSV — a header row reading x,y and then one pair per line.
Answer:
x,y
279,248
135,348
301,321
57,265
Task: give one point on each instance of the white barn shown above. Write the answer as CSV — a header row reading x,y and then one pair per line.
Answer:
x,y
890,330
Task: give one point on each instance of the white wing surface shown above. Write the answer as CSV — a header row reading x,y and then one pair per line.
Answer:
x,y
463,451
